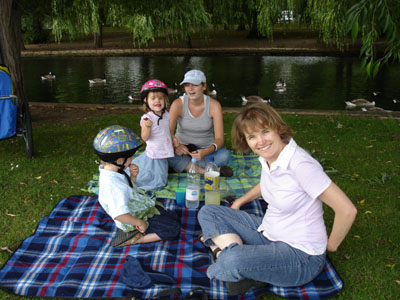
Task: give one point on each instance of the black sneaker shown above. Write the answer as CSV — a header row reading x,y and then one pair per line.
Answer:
x,y
243,286
226,171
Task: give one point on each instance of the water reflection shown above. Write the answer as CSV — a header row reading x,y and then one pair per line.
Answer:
x,y
312,82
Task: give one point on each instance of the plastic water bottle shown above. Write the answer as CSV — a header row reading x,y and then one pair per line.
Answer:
x,y
193,185
211,183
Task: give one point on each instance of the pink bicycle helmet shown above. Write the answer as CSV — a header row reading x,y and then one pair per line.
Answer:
x,y
153,85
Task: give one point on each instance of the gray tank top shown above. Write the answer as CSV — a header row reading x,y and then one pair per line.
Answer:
x,y
198,131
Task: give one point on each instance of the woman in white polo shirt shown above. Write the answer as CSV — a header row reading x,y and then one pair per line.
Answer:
x,y
287,246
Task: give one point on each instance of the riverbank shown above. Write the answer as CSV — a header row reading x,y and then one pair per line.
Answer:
x,y
55,113
222,42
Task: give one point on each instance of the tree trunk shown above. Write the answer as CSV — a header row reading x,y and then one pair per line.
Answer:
x,y
98,37
189,41
11,43
254,27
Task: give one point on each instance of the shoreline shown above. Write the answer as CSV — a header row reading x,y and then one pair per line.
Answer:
x,y
47,112
192,52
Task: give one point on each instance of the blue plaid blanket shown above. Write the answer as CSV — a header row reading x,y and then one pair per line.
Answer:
x,y
70,256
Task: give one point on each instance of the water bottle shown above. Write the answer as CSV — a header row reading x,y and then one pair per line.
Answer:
x,y
193,185
211,183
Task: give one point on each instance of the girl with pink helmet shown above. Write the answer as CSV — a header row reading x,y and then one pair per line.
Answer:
x,y
153,163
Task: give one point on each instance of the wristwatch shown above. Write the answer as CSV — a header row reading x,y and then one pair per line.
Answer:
x,y
215,146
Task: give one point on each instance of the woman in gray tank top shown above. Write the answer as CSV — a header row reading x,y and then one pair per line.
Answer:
x,y
199,126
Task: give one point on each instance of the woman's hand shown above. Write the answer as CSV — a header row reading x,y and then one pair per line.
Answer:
x,y
182,149
236,204
198,154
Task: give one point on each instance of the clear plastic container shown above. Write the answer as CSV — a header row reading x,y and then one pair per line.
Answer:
x,y
193,185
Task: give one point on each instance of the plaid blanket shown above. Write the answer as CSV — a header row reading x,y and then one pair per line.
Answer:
x,y
247,171
70,256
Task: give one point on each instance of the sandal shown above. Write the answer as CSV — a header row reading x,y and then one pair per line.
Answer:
x,y
126,238
214,252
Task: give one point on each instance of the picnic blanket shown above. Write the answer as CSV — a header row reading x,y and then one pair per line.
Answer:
x,y
70,255
246,168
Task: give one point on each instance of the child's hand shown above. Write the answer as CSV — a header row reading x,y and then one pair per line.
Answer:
x,y
134,170
175,142
147,122
142,226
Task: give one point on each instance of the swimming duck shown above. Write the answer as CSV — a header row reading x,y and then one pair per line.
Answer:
x,y
49,76
213,92
280,89
280,83
359,103
132,98
98,80
255,99
174,90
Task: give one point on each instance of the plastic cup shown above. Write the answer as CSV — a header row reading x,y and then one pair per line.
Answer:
x,y
180,195
212,197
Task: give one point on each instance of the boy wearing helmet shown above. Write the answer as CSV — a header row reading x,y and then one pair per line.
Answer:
x,y
134,212
153,163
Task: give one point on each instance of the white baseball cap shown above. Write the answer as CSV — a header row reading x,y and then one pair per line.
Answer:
x,y
194,76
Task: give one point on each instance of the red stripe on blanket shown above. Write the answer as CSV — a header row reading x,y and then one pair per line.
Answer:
x,y
95,209
304,292
182,243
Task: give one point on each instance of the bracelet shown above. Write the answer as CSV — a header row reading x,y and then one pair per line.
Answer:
x,y
215,146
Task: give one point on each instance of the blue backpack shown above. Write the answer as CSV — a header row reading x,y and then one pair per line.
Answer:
x,y
8,105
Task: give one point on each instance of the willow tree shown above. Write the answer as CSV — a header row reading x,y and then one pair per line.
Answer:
x,y
79,17
375,21
170,19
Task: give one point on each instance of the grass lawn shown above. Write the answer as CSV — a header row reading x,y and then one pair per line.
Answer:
x,y
362,155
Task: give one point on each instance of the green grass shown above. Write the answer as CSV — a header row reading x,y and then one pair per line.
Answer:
x,y
362,155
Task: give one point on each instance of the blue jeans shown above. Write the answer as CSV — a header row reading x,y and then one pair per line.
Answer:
x,y
258,258
221,158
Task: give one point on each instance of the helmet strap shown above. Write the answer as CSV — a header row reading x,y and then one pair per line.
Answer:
x,y
159,117
121,171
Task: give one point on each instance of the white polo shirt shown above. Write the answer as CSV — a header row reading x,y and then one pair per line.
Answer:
x,y
291,188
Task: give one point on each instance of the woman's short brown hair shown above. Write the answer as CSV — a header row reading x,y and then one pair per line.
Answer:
x,y
259,115
166,100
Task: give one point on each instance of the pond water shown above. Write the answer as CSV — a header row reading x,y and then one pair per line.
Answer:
x,y
313,82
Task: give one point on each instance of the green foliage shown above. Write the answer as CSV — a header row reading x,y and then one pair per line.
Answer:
x,y
75,16
329,17
374,20
150,19
35,21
